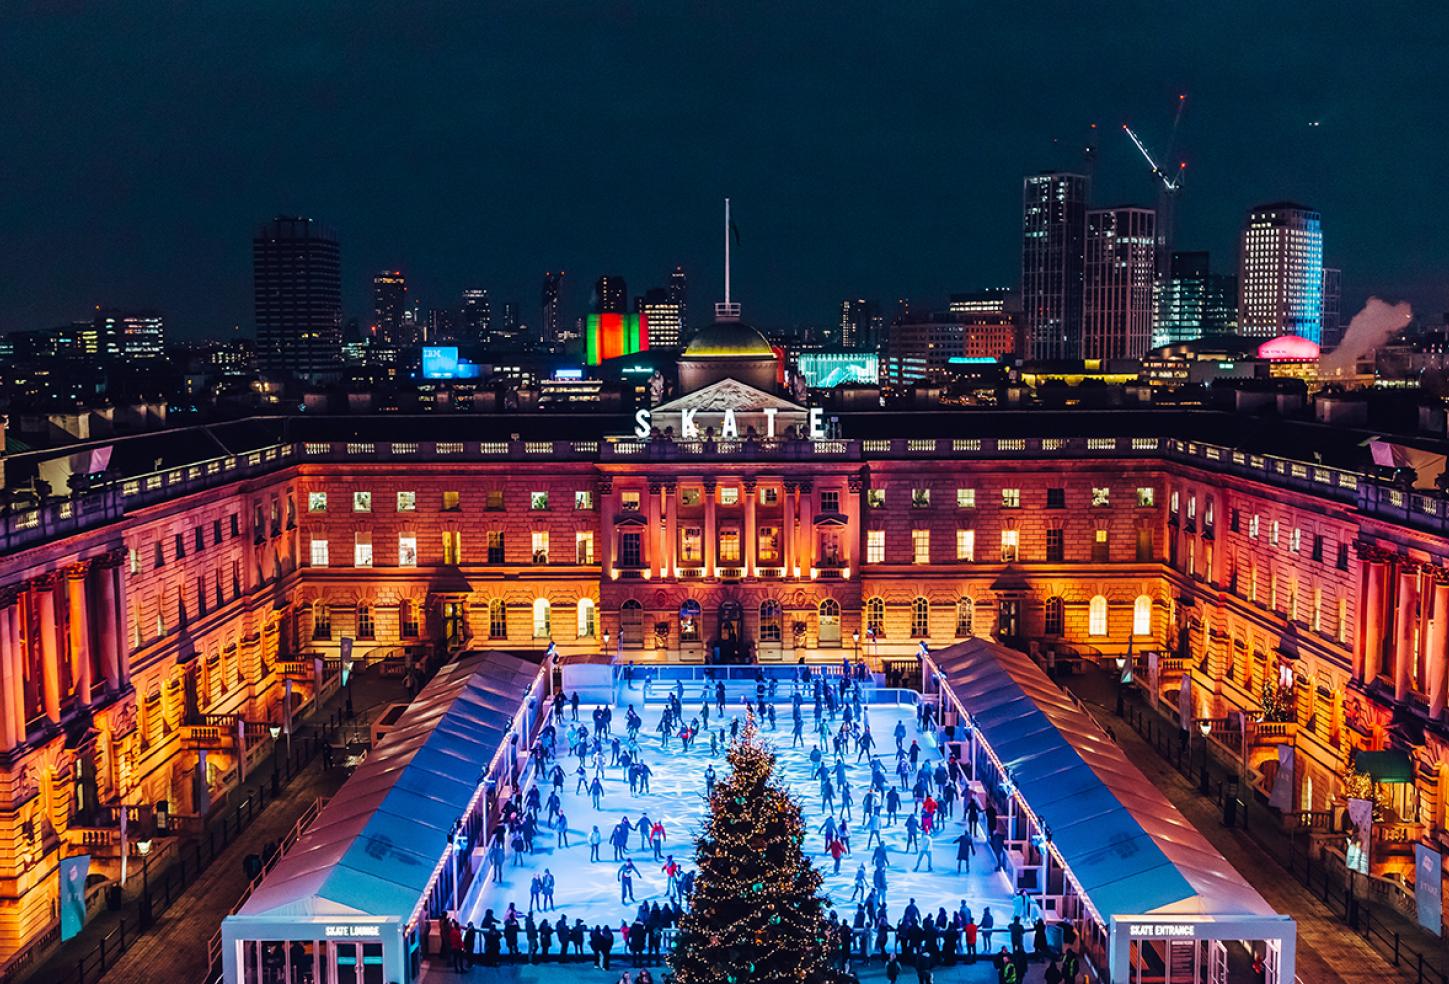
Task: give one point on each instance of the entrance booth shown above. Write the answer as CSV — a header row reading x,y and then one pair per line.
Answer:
x,y
353,900
1108,861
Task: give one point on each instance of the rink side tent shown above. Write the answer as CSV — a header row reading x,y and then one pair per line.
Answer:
x,y
363,868
1139,863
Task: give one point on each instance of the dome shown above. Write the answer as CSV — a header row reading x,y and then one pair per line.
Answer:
x,y
728,340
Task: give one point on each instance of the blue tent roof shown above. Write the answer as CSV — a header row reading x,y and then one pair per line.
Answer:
x,y
373,848
1129,848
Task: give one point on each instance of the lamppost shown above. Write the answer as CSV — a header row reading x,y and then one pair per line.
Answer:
x,y
1121,673
143,847
855,639
1206,727
276,731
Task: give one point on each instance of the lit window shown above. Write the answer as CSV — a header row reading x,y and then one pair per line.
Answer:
x,y
729,545
452,501
768,550
1146,496
538,546
319,553
316,502
966,545
362,502
875,498
407,502
920,617
1253,527
1295,540
920,498
1097,616
583,547
691,545
1100,547
965,498
587,620
537,501
1273,534
875,617
1011,498
769,496
965,617
1101,496
583,499
1010,541
629,501
493,500
542,619
452,547
689,497
362,550
730,495
921,546
407,550
1142,616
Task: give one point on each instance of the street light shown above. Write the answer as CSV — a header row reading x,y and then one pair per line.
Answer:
x,y
1206,727
855,638
143,847
1121,670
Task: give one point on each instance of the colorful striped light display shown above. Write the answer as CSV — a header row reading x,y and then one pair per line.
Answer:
x,y
608,336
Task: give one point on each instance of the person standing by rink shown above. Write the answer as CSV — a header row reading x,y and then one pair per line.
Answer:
x,y
709,778
595,839
561,825
596,792
548,885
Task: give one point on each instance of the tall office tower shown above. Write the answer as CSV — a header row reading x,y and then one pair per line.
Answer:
x,y
506,335
1332,307
297,270
611,295
476,316
389,305
442,326
663,316
679,294
1054,210
859,324
1280,276
1183,300
134,336
549,303
1119,268
989,300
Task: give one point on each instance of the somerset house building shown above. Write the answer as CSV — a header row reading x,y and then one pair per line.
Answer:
x,y
1265,578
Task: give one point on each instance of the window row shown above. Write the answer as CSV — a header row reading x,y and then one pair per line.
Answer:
x,y
451,553
135,555
450,501
1056,498
1010,546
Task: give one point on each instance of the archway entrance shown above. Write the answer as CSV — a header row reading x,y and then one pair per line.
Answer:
x,y
729,645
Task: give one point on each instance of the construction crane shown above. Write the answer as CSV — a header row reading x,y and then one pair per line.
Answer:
x,y
1169,181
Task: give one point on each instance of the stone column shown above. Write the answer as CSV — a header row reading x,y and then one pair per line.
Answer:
x,y
44,586
109,626
1435,648
850,545
1405,626
804,529
751,494
671,528
711,529
14,698
604,489
78,622
649,542
1369,653
787,534
120,578
12,731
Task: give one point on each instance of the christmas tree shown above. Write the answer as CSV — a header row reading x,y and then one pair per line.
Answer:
x,y
756,914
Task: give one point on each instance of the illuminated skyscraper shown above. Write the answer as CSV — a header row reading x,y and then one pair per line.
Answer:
x,y
1280,279
611,295
1194,301
663,315
860,324
679,294
1118,272
1054,208
389,305
476,316
297,271
134,336
549,303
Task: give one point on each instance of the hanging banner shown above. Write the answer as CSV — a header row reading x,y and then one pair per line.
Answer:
x,y
1361,817
1429,887
1184,703
1152,691
1281,799
73,873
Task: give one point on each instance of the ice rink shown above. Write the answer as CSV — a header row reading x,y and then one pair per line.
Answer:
x,y
590,891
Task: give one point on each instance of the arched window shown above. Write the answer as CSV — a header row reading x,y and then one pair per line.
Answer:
x,y
497,619
542,619
365,628
588,621
689,621
321,622
631,623
920,617
875,617
771,621
1056,617
1142,616
1097,616
407,618
829,622
965,615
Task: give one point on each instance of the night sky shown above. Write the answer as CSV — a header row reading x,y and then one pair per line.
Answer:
x,y
874,149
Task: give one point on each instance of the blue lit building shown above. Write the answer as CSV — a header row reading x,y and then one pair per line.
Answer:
x,y
1280,280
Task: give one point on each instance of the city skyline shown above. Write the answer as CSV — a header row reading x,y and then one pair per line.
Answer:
x,y
927,209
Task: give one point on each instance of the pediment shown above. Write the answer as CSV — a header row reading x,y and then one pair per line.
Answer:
x,y
728,394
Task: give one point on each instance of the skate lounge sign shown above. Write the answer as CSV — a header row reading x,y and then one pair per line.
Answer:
x,y
729,410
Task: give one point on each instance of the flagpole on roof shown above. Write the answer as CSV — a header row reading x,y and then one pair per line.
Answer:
x,y
727,252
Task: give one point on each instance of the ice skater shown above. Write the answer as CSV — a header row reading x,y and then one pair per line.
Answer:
x,y
627,871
